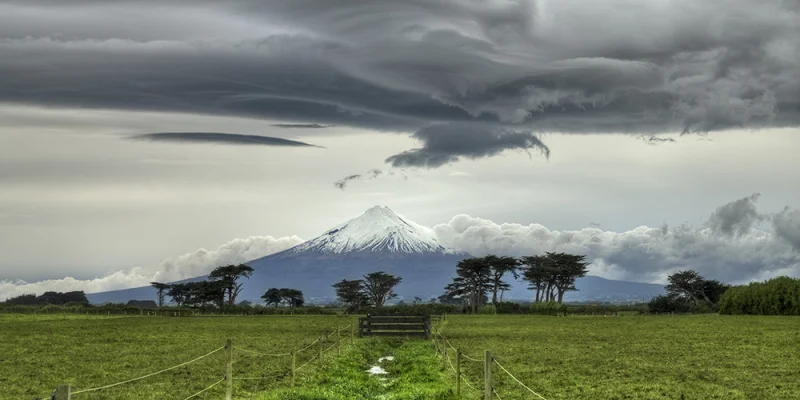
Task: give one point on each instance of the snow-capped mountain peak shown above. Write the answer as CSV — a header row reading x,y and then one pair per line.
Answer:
x,y
378,230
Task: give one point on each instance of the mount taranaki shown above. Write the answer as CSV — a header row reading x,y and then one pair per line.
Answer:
x,y
380,240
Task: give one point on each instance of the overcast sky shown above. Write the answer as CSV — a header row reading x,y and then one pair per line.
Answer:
x,y
651,135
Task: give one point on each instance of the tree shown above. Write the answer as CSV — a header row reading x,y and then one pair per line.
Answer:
x,y
553,274
472,283
537,272
178,292
499,267
568,267
229,276
691,286
350,292
161,288
202,293
292,297
379,287
272,296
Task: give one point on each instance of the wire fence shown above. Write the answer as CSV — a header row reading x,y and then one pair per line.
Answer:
x,y
442,344
65,392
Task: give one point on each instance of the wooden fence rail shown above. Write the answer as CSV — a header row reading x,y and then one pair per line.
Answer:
x,y
395,325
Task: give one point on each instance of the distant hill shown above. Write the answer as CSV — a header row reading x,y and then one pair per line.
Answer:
x,y
380,240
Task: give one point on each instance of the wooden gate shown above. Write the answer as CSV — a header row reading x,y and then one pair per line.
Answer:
x,y
395,325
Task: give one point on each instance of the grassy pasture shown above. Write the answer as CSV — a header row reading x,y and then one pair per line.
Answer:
x,y
635,357
35,356
629,357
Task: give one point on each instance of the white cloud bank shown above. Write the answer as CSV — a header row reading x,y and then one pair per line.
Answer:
x,y
736,244
188,265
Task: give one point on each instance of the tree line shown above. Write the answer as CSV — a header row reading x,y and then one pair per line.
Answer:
x,y
550,275
76,298
221,289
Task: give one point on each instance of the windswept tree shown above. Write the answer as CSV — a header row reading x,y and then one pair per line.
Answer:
x,y
472,284
161,289
178,292
537,272
203,293
379,287
501,265
553,274
291,297
690,285
272,296
350,292
569,267
229,275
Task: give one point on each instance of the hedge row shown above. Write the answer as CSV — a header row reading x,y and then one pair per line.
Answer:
x,y
778,296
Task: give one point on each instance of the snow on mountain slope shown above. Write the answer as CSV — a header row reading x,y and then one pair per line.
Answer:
x,y
378,230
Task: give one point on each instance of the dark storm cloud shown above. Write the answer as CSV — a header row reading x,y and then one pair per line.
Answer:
x,y
220,138
446,143
552,66
309,126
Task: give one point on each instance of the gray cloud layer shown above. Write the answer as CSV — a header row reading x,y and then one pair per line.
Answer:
x,y
566,66
221,138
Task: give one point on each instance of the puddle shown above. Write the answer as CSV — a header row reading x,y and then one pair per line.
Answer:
x,y
376,370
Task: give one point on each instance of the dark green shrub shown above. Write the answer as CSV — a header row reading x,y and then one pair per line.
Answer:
x,y
778,296
549,308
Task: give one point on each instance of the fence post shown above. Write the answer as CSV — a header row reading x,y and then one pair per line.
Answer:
x,y
444,356
338,341
294,361
63,392
458,373
487,393
352,332
229,370
319,350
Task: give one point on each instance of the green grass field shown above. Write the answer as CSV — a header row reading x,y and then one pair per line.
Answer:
x,y
36,356
697,357
630,357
